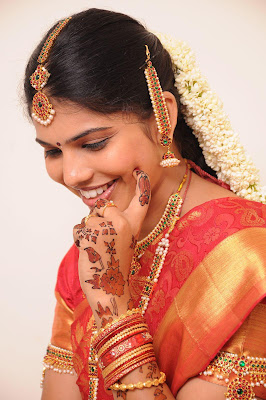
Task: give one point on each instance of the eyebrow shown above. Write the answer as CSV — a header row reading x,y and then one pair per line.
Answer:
x,y
76,137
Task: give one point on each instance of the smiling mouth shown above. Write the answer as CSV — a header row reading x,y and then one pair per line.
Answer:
x,y
91,194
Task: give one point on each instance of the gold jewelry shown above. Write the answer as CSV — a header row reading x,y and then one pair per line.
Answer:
x,y
240,373
59,360
88,217
146,348
42,109
122,316
140,385
109,204
136,329
160,111
127,367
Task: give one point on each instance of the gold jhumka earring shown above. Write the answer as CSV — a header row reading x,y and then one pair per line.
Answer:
x,y
42,109
160,111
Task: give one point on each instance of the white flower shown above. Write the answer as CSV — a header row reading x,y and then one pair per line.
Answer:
x,y
204,114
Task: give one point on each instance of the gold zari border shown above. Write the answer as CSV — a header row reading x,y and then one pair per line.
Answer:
x,y
221,292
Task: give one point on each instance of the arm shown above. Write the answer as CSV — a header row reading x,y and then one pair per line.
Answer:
x,y
60,387
58,384
194,389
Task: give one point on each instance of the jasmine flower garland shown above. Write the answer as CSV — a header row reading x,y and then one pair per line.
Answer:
x,y
204,114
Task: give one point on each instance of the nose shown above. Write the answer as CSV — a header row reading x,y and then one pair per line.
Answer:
x,y
76,171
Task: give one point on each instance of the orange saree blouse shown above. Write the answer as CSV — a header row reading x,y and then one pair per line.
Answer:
x,y
206,309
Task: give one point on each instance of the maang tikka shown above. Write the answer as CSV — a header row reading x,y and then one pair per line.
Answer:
x,y
42,109
160,111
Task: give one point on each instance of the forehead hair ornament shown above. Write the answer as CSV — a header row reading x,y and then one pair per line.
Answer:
x,y
160,111
42,109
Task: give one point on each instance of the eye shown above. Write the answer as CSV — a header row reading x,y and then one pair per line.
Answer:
x,y
52,153
96,146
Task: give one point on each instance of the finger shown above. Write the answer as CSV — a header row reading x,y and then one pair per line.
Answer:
x,y
106,209
101,208
139,205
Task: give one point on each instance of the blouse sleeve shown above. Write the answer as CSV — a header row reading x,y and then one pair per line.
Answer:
x,y
241,363
59,354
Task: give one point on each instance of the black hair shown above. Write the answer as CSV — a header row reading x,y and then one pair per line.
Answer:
x,y
98,62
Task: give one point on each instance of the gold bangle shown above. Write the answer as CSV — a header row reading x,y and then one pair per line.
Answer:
x,y
135,329
127,356
122,316
139,385
128,367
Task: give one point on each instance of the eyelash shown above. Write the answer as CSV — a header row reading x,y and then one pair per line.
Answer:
x,y
96,146
91,146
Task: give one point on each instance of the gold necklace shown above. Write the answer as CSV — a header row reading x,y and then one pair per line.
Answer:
x,y
168,220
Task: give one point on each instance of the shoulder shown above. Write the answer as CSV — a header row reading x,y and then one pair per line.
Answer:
x,y
205,194
67,284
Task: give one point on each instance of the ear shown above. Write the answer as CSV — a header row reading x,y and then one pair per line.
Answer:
x,y
171,105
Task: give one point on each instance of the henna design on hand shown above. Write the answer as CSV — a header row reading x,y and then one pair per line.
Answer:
x,y
100,203
110,247
108,228
104,311
81,225
158,394
115,308
133,243
130,304
152,368
145,188
94,257
95,282
94,236
120,393
112,280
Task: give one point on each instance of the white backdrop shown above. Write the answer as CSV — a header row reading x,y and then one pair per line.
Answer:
x,y
37,216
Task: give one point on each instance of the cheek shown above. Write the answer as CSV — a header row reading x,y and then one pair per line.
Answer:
x,y
124,158
54,170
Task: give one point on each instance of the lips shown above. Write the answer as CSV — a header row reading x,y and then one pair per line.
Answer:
x,y
89,197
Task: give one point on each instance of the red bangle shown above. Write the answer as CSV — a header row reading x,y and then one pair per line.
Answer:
x,y
117,326
113,378
120,337
118,350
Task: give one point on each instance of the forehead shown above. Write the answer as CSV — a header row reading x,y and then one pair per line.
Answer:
x,y
71,119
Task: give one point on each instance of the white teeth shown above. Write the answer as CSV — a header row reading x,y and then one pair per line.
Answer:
x,y
99,190
94,192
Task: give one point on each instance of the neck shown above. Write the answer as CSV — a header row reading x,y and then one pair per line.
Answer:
x,y
163,189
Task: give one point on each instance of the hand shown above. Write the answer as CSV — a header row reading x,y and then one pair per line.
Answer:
x,y
106,245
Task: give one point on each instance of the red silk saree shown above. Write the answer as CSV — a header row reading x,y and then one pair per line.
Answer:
x,y
209,297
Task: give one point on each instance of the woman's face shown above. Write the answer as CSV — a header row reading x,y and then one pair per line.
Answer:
x,y
94,155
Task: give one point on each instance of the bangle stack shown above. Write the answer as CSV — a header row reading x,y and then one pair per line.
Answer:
x,y
122,346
